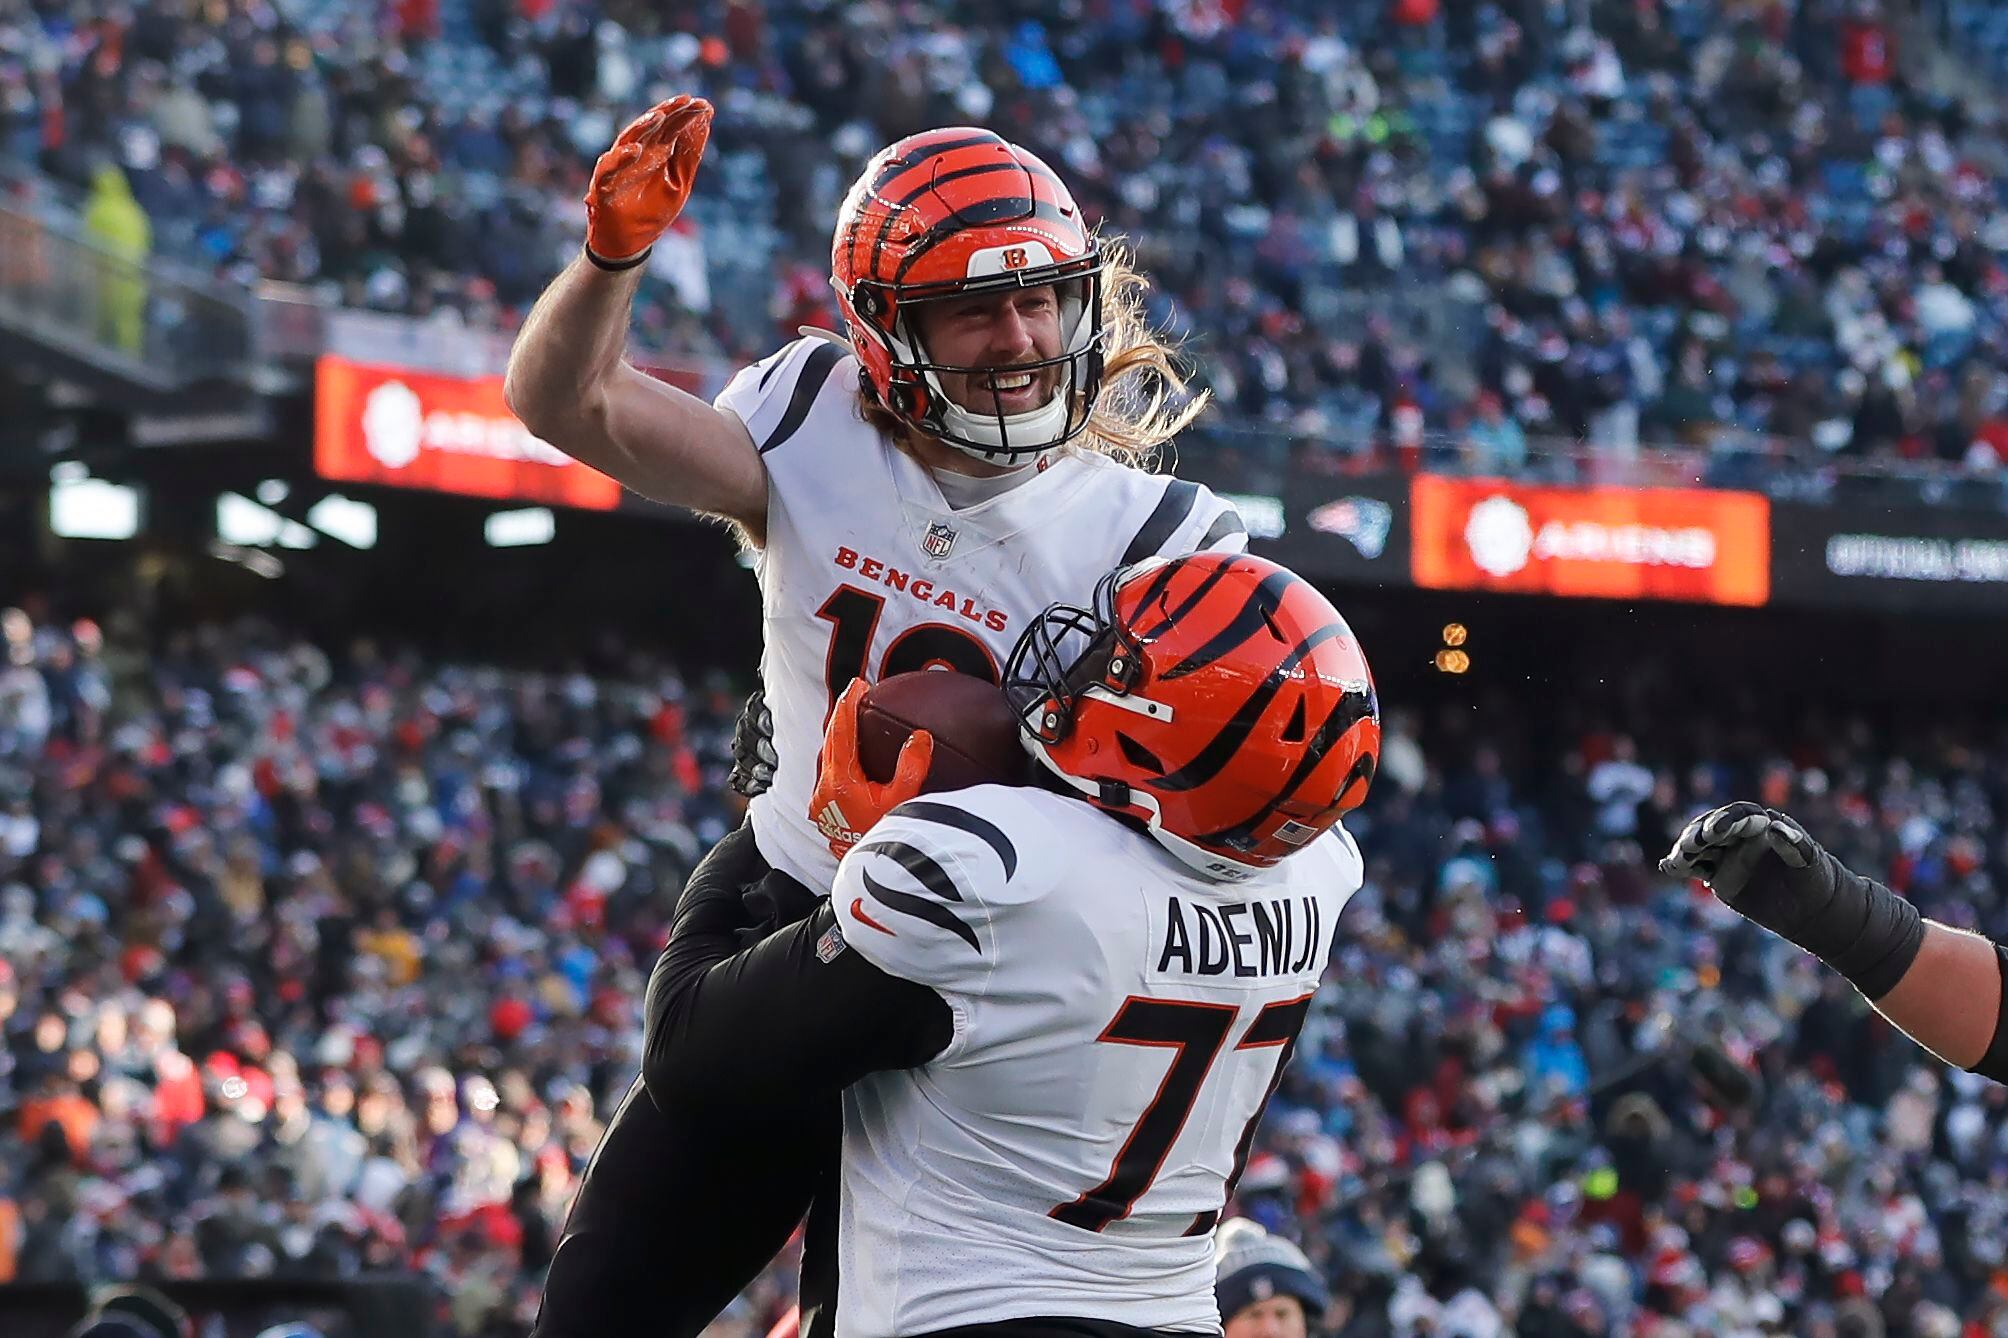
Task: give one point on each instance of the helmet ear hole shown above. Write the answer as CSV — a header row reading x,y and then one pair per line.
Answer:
x,y
1139,756
1294,731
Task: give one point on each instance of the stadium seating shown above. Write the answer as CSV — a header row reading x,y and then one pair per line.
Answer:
x,y
246,883
1752,188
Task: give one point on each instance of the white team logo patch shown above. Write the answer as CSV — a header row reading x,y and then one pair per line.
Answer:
x,y
940,537
1027,254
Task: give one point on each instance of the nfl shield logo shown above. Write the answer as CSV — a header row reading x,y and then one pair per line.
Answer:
x,y
831,945
938,540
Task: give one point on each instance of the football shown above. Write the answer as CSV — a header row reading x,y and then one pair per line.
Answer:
x,y
975,733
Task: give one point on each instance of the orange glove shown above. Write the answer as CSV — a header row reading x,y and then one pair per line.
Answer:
x,y
846,802
641,183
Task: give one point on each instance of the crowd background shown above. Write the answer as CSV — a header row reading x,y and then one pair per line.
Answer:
x,y
322,959
321,954
1387,228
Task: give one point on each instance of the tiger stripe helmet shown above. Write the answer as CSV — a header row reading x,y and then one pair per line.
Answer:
x,y
953,213
1218,699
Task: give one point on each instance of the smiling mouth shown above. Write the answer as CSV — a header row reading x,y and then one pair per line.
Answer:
x,y
1016,392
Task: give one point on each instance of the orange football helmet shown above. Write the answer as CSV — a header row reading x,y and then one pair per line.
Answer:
x,y
1217,698
950,213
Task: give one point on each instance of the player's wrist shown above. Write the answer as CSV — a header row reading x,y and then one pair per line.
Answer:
x,y
1863,930
615,265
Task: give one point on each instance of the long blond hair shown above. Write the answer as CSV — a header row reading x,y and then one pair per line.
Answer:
x,y
1142,404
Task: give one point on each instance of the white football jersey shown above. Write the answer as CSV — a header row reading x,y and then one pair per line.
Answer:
x,y
868,572
1119,1023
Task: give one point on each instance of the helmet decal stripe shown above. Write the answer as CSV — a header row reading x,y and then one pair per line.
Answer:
x,y
1170,616
1003,209
898,167
931,182
1353,708
1269,716
1253,616
1160,581
1220,748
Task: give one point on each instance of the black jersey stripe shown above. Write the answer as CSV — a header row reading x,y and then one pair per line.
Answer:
x,y
920,908
1171,512
926,870
1225,525
815,372
947,815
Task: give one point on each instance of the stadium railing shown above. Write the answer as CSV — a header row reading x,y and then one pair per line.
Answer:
x,y
148,322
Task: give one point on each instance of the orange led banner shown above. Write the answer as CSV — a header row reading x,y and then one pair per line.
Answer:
x,y
411,429
1696,544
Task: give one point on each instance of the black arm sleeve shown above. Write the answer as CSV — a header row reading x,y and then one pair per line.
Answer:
x,y
749,1034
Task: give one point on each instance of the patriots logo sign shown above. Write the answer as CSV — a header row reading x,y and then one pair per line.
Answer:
x,y
1364,521
940,537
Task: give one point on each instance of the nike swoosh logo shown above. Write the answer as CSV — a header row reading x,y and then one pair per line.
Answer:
x,y
858,914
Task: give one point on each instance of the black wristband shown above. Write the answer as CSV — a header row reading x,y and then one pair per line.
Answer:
x,y
1994,1064
1870,934
616,266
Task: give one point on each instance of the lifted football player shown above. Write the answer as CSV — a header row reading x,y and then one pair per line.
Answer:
x,y
917,493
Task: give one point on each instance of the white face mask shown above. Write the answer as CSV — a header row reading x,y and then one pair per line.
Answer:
x,y
1002,439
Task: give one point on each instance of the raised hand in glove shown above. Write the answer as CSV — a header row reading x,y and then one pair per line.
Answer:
x,y
1765,867
846,802
641,183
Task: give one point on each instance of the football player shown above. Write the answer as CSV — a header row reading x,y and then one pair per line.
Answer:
x,y
917,492
1055,1012
1947,989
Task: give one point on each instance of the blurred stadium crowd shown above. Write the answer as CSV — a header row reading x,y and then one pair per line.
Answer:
x,y
1732,225
320,960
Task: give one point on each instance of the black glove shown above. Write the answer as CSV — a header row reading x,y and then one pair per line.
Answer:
x,y
1762,865
753,755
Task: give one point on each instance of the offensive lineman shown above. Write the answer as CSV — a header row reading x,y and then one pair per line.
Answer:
x,y
917,494
1057,1013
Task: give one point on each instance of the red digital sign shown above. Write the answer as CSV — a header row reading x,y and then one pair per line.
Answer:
x,y
410,429
1698,544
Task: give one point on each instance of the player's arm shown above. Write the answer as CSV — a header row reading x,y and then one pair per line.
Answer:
x,y
736,1032
1950,1001
1943,987
567,379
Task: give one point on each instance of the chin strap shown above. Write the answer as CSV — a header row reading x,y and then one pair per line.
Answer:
x,y
827,336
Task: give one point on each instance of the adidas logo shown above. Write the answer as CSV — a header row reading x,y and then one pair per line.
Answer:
x,y
833,825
